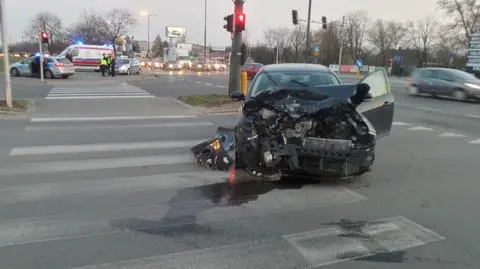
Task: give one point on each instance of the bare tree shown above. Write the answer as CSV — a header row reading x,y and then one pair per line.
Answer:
x,y
279,38
449,46
380,38
46,22
421,36
118,22
355,28
465,15
396,32
297,40
90,28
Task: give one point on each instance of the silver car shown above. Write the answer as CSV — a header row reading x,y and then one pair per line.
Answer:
x,y
57,67
126,66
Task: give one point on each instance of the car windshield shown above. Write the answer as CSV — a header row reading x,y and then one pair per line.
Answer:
x,y
269,81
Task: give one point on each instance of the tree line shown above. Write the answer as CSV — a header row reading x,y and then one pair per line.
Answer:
x,y
428,40
91,28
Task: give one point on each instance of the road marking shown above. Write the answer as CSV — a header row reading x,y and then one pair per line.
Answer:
x,y
112,118
103,126
220,86
420,128
399,123
58,149
473,116
97,97
95,164
83,187
99,94
208,84
430,109
451,135
477,141
198,82
319,248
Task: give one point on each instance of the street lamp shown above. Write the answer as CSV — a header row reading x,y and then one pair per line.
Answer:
x,y
148,15
205,34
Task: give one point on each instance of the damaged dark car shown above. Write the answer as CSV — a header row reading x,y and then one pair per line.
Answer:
x,y
300,119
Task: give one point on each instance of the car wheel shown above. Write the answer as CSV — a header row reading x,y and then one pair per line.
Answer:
x,y
414,90
15,72
49,74
459,95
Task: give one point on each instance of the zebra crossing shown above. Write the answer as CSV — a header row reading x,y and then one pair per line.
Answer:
x,y
117,188
97,92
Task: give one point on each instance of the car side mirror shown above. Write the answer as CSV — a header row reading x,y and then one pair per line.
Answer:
x,y
237,95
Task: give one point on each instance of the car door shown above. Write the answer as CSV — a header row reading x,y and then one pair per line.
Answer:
x,y
445,83
378,110
24,67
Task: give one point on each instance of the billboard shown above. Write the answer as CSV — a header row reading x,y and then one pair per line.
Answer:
x,y
172,31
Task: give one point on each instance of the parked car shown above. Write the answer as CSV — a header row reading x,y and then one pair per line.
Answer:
x,y
444,82
126,66
57,67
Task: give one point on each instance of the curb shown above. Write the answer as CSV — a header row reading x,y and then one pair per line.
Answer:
x,y
200,111
20,115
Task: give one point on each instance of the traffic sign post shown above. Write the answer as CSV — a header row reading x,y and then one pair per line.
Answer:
x,y
359,64
316,51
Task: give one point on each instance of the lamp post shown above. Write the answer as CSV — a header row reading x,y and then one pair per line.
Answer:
x,y
205,34
148,15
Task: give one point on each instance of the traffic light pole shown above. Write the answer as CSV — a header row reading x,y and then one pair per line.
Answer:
x,y
6,62
40,48
235,59
307,43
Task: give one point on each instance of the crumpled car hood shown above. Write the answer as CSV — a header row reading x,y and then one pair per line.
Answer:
x,y
298,102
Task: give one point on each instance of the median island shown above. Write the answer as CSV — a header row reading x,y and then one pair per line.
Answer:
x,y
19,107
212,103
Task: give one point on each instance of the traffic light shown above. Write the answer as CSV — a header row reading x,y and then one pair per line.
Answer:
x,y
229,21
294,17
44,37
324,23
239,22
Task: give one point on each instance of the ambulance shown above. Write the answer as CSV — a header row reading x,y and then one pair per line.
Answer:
x,y
86,57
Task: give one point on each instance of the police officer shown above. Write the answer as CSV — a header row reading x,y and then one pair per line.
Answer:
x,y
112,65
103,64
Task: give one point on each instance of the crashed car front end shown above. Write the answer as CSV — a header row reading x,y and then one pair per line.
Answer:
x,y
317,133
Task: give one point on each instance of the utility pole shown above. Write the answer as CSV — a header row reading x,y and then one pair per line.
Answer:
x,y
307,43
235,60
6,57
205,34
40,48
341,45
148,15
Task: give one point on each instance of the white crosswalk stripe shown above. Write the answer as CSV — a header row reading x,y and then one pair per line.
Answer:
x,y
106,92
122,184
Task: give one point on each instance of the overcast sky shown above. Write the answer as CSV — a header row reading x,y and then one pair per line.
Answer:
x,y
261,14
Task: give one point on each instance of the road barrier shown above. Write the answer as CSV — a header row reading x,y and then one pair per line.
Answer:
x,y
244,82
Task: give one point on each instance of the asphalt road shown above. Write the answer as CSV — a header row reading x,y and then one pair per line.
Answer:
x,y
110,183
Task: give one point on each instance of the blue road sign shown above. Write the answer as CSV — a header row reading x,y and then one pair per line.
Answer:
x,y
316,49
359,62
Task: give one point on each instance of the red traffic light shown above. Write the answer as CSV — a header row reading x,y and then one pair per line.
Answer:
x,y
239,22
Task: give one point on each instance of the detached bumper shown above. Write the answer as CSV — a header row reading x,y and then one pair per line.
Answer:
x,y
325,158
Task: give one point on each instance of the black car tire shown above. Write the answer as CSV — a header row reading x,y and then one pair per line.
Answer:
x,y
460,95
49,74
14,71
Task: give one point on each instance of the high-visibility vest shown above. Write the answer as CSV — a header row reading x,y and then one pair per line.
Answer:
x,y
103,61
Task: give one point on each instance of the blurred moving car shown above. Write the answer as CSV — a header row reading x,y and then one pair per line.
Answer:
x,y
157,64
201,66
57,67
126,66
218,66
172,66
251,69
444,82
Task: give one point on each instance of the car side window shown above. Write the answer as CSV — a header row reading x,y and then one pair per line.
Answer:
x,y
426,73
378,83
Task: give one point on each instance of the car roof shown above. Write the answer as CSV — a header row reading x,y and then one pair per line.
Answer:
x,y
295,67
